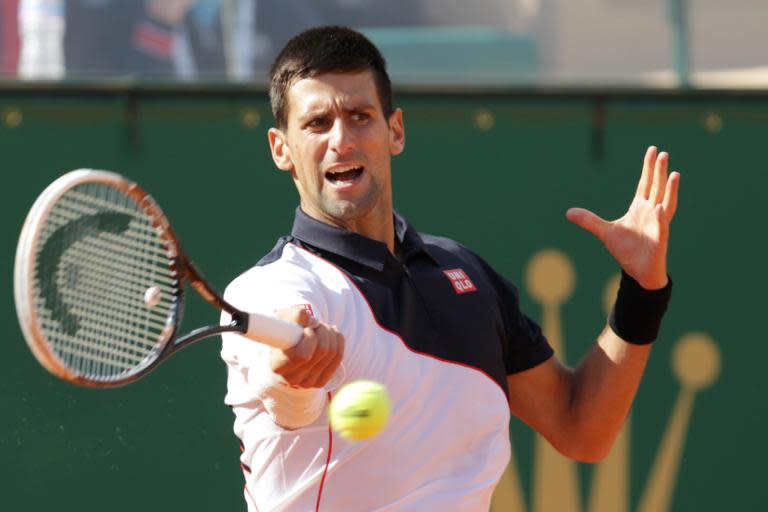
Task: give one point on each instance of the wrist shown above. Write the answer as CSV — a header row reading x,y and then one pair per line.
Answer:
x,y
638,311
653,284
290,407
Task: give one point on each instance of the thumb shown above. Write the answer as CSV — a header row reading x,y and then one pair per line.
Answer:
x,y
297,315
585,219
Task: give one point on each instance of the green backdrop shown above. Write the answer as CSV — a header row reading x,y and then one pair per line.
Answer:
x,y
495,170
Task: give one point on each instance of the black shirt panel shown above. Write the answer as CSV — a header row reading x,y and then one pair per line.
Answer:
x,y
490,313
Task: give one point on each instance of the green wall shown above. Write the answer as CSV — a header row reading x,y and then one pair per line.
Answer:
x,y
496,171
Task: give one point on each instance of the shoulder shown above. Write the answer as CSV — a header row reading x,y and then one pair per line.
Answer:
x,y
442,242
446,250
451,254
287,276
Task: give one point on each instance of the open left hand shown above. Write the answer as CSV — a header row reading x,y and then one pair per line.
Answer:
x,y
638,240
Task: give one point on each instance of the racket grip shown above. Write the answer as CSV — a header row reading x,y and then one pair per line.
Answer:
x,y
272,331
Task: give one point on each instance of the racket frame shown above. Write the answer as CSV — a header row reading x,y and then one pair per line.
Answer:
x,y
24,271
254,326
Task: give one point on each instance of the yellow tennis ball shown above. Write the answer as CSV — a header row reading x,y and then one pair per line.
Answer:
x,y
359,410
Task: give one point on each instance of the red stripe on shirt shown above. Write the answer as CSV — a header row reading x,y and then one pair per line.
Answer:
x,y
327,462
251,496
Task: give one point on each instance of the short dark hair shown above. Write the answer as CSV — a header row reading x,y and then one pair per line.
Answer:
x,y
326,50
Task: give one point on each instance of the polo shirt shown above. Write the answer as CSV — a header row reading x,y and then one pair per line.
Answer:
x,y
436,325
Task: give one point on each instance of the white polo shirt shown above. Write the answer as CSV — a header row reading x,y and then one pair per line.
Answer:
x,y
438,327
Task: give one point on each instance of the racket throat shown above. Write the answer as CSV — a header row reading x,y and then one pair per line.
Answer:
x,y
206,290
236,325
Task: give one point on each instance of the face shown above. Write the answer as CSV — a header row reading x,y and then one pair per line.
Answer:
x,y
338,146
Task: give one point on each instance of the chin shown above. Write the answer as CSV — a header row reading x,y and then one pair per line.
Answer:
x,y
346,210
349,210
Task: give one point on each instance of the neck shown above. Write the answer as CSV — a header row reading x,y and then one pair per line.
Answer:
x,y
382,230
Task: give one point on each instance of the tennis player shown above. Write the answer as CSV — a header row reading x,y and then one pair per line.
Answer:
x,y
423,315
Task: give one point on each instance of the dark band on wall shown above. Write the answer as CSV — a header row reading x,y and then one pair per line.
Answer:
x,y
637,313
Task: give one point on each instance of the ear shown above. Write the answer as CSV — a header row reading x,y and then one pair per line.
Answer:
x,y
396,132
281,153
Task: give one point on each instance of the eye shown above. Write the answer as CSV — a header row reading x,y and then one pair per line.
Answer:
x,y
360,117
318,123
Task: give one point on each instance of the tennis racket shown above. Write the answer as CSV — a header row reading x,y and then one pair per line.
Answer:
x,y
99,283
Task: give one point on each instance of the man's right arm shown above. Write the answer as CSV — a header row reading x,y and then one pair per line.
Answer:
x,y
288,384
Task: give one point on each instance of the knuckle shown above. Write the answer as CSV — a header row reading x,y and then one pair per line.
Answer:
x,y
310,335
282,371
332,351
324,333
304,356
295,314
320,353
303,352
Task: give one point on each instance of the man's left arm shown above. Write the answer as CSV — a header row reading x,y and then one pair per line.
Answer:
x,y
581,411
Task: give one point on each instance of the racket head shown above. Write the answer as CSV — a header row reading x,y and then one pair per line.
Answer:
x,y
97,279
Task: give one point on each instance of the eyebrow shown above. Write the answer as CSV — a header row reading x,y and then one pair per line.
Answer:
x,y
363,105
321,111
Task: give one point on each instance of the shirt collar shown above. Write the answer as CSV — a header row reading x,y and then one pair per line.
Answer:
x,y
353,246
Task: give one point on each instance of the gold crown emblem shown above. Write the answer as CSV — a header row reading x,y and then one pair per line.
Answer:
x,y
550,280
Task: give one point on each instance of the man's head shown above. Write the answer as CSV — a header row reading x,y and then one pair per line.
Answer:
x,y
325,50
337,131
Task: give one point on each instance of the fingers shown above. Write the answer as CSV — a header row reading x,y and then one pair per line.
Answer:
x,y
670,196
649,163
662,223
312,362
587,220
297,315
659,178
300,356
328,353
328,356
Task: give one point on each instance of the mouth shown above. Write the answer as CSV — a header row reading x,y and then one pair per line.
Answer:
x,y
344,175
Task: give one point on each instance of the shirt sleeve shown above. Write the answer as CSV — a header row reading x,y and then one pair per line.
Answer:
x,y
525,345
250,380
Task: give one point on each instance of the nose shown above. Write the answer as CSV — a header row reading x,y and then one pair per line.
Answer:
x,y
341,139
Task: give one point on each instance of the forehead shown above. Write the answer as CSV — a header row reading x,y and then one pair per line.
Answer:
x,y
328,90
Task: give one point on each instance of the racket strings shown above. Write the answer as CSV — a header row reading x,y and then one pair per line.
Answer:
x,y
127,241
104,277
105,253
77,348
115,246
112,259
117,311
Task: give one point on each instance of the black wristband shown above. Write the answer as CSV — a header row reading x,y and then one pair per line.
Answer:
x,y
637,313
